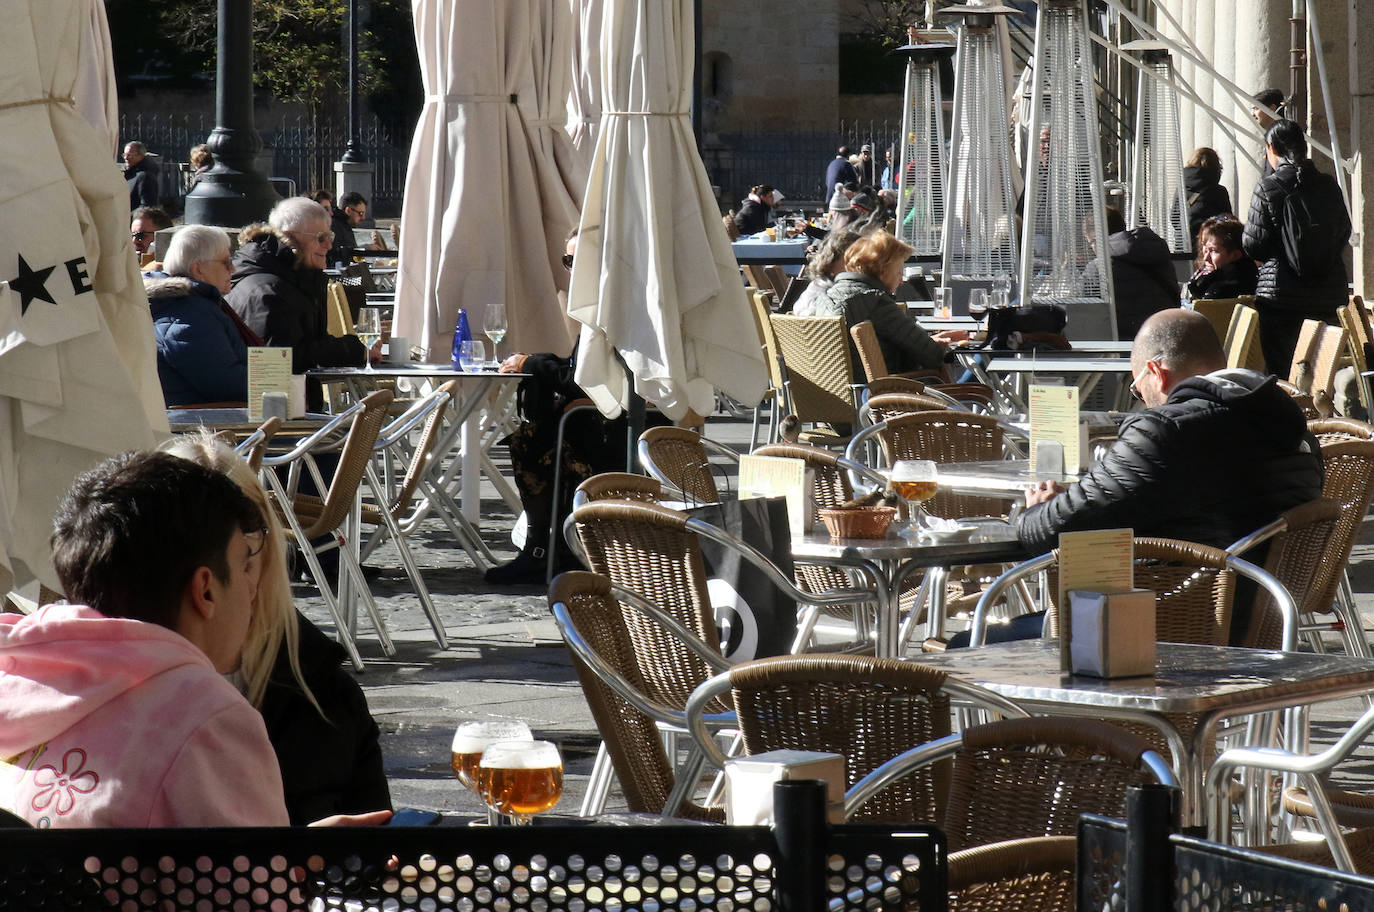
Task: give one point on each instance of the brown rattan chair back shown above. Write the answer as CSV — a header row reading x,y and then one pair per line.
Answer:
x,y
866,709
755,277
1020,875
678,455
908,386
1021,778
1303,368
830,487
777,280
1332,350
1360,338
815,355
269,429
763,321
1242,338
647,549
946,436
1331,430
1217,311
353,458
631,737
891,405
621,486
1308,559
1194,589
423,453
870,352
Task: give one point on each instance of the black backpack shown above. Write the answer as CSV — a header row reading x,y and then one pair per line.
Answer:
x,y
1313,224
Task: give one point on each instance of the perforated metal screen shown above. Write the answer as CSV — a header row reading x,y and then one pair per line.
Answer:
x,y
1157,192
980,225
921,171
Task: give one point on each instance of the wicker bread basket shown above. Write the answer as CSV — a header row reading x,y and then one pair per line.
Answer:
x,y
858,522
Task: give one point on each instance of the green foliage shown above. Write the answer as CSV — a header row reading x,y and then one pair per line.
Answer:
x,y
886,21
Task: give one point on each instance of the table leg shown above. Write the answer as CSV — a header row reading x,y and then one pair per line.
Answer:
x,y
472,464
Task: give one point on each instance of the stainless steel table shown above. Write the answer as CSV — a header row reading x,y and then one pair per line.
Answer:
x,y
1005,477
889,561
236,421
1209,682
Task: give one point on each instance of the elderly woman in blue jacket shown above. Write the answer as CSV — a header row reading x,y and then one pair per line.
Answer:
x,y
202,345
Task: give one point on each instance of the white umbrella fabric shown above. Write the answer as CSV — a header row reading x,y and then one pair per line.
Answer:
x,y
78,369
654,278
482,221
584,101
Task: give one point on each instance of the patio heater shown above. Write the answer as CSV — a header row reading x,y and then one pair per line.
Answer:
x,y
1158,198
1064,192
921,163
980,220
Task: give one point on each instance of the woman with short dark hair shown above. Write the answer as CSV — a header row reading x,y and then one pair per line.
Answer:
x,y
1222,268
754,212
1202,182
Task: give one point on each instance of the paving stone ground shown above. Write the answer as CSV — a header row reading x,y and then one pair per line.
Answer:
x,y
506,661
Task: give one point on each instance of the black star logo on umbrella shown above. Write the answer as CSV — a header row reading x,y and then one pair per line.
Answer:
x,y
31,283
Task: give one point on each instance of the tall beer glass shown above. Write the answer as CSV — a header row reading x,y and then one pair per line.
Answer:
x,y
521,778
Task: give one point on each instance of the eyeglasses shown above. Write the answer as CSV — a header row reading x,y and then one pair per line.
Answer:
x,y
258,536
325,237
567,261
140,235
1134,388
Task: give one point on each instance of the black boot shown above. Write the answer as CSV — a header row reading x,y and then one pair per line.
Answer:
x,y
529,567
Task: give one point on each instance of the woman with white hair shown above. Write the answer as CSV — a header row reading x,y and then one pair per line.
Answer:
x,y
279,290
202,345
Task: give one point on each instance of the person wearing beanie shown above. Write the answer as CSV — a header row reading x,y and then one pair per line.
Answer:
x,y
841,208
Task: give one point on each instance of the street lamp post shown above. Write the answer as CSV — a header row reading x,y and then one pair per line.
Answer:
x,y
353,153
233,192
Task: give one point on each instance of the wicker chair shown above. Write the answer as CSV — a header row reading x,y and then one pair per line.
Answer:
x,y
867,709
601,633
890,405
355,451
1026,778
830,487
777,379
1242,339
1360,336
1020,875
253,447
682,458
1332,352
820,385
1302,398
871,355
942,436
1218,311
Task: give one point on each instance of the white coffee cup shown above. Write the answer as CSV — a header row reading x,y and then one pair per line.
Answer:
x,y
398,350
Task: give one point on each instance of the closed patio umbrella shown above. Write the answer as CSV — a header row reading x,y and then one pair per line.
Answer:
x,y
486,209
655,279
78,375
584,101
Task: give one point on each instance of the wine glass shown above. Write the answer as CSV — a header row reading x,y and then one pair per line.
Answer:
x,y
494,324
915,481
472,738
521,778
369,330
978,303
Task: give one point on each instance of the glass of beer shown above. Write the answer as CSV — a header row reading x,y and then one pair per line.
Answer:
x,y
521,778
472,738
915,481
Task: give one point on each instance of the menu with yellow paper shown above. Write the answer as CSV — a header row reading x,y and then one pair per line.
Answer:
x,y
269,371
776,476
1099,561
1054,416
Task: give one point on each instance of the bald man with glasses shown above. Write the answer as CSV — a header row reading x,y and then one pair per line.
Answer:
x,y
1214,455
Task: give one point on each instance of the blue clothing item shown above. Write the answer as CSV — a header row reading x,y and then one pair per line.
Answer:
x,y
200,355
839,171
888,183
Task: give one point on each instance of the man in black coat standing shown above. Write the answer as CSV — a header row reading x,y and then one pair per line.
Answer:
x,y
839,171
141,173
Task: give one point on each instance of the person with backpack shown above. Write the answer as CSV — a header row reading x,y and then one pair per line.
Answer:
x,y
1297,230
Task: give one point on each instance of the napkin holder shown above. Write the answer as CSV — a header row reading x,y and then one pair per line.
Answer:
x,y
1112,634
295,401
749,783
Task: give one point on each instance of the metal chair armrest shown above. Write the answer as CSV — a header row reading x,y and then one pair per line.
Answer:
x,y
1257,537
697,718
402,424
860,439
922,755
311,442
979,628
1282,597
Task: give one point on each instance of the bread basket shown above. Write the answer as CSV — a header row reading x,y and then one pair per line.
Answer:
x,y
858,522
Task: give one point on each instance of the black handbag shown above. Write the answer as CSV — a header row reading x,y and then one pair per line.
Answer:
x,y
1030,326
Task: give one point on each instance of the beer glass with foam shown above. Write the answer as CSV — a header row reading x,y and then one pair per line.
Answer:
x,y
521,778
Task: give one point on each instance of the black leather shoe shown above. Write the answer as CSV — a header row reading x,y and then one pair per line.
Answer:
x,y
527,568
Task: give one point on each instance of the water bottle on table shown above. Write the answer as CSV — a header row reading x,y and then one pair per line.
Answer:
x,y
461,333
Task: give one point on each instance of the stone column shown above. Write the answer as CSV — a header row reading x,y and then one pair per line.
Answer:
x,y
1360,37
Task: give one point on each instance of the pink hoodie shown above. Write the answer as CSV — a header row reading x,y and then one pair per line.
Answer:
x,y
109,722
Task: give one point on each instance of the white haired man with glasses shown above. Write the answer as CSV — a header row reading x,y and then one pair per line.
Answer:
x,y
279,290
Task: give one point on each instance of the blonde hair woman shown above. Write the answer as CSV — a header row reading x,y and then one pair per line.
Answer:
x,y
865,291
327,743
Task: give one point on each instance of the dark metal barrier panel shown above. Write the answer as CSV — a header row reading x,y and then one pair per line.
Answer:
x,y
1207,877
544,868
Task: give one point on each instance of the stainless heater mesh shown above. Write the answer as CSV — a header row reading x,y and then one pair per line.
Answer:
x,y
1158,198
921,173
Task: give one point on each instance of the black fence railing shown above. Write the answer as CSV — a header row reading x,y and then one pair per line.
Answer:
x,y
1144,866
301,152
801,865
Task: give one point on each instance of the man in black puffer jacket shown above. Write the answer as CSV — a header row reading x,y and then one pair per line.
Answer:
x,y
1217,453
1284,299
